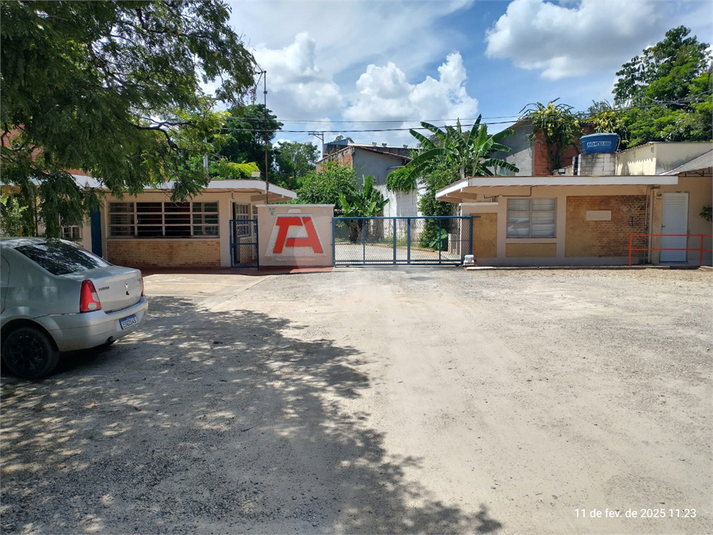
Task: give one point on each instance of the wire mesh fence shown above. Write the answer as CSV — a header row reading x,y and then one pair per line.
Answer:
x,y
402,240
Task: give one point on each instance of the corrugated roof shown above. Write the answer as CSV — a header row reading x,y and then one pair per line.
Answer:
x,y
704,161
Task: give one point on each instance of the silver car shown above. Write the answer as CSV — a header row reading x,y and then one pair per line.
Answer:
x,y
58,297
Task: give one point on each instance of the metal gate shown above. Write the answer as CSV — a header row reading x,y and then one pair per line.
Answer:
x,y
402,240
243,243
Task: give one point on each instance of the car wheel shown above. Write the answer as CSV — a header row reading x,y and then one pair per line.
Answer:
x,y
29,353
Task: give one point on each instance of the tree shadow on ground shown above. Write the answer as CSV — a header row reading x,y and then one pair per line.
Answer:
x,y
208,422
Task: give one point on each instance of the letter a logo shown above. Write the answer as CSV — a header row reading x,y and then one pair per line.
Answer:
x,y
289,233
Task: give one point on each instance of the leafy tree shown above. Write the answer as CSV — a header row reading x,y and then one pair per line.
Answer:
x,y
324,186
664,94
558,124
295,160
664,72
245,134
113,89
13,221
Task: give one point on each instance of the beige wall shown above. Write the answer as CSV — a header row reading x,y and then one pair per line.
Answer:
x,y
313,235
178,252
530,250
552,251
658,158
700,193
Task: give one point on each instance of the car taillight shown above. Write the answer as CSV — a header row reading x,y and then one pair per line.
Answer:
x,y
142,286
89,298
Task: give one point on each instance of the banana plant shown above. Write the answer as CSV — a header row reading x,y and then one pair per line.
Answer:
x,y
367,202
469,153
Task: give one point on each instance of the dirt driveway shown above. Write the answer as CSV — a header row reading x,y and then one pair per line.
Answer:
x,y
430,400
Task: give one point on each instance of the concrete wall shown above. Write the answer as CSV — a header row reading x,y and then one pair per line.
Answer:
x,y
295,235
400,203
658,158
521,154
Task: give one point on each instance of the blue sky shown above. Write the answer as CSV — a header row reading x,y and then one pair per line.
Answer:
x,y
347,66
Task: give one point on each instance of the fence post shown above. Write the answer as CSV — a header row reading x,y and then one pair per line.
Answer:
x,y
334,241
408,240
630,237
363,240
393,231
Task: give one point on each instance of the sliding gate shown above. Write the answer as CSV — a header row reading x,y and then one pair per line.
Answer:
x,y
402,240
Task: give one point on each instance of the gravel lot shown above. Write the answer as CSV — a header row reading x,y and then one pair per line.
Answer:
x,y
430,400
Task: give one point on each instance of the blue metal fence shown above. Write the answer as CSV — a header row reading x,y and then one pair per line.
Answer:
x,y
402,240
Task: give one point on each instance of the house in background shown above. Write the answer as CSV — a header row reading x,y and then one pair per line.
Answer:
x,y
529,154
587,214
377,161
213,229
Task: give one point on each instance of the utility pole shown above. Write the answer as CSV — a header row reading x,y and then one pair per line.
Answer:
x,y
264,92
320,136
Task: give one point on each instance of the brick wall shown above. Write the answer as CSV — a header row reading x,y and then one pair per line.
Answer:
x,y
485,235
530,250
604,238
541,165
164,253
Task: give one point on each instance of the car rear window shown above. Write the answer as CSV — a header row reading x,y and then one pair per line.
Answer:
x,y
60,258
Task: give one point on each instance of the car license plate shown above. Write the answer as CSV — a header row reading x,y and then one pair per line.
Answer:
x,y
129,321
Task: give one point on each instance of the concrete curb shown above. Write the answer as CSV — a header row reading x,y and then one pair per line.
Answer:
x,y
534,268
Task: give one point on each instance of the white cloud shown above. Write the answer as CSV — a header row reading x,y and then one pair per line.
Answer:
x,y
574,39
384,93
296,85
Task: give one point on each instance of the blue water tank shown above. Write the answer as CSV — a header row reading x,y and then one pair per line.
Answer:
x,y
599,143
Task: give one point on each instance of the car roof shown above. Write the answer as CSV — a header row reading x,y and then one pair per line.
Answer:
x,y
13,243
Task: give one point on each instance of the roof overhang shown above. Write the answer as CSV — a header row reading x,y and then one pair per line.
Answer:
x,y
255,188
478,188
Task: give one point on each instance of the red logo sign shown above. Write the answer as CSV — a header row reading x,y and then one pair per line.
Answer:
x,y
285,223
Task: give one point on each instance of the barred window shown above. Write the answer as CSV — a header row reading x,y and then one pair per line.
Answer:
x,y
531,218
163,219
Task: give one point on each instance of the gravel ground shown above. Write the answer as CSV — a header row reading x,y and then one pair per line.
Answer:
x,y
430,400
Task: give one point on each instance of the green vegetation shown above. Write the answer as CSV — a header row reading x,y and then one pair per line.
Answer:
x,y
294,161
557,123
663,95
113,89
364,202
446,156
326,185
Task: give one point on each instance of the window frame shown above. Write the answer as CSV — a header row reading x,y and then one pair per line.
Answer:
x,y
530,222
141,220
72,233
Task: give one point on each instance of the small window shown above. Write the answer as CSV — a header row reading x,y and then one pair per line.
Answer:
x,y
531,218
72,232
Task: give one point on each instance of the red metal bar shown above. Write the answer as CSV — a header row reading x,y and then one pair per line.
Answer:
x,y
700,249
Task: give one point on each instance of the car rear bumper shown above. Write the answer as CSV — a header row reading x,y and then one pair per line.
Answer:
x,y
90,329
